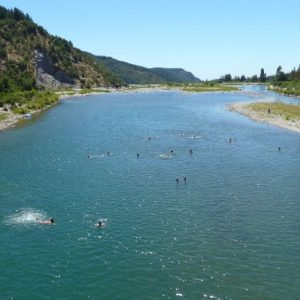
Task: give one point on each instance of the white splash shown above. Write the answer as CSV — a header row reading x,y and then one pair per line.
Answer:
x,y
25,216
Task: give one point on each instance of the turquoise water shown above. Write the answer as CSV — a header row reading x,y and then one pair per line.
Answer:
x,y
231,231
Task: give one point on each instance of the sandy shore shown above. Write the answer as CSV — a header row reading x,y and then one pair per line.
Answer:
x,y
241,108
9,120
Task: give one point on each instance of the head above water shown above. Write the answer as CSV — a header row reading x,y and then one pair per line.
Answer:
x,y
52,220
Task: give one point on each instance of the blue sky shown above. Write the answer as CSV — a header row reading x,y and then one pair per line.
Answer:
x,y
209,38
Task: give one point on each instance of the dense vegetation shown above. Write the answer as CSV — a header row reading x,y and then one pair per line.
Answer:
x,y
287,83
23,102
133,74
20,42
20,37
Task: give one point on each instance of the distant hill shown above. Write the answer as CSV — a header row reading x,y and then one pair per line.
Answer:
x,y
133,74
30,57
175,75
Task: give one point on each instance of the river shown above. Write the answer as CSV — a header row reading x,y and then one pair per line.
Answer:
x,y
231,230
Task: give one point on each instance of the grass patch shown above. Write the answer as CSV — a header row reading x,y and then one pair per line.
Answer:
x,y
288,112
204,87
2,116
90,91
24,102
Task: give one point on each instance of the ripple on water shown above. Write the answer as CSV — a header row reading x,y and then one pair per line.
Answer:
x,y
25,216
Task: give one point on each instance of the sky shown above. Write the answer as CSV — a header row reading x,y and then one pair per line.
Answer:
x,y
209,38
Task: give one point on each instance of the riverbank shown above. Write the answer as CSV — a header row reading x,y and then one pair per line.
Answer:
x,y
9,118
278,114
287,88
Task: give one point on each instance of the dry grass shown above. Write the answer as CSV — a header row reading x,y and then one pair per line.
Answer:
x,y
286,111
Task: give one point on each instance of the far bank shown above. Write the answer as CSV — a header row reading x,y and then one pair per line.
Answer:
x,y
275,113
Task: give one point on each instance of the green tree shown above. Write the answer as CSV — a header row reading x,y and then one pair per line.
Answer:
x,y
280,76
262,76
227,77
254,78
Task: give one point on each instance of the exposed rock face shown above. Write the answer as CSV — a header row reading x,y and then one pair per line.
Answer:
x,y
47,74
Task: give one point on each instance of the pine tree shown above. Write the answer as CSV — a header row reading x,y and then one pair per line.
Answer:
x,y
262,76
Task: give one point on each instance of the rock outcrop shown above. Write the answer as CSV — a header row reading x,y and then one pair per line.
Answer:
x,y
48,75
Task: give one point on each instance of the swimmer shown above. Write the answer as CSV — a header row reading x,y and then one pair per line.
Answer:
x,y
177,180
279,149
100,223
149,138
230,140
184,179
172,152
191,151
51,221
108,153
137,155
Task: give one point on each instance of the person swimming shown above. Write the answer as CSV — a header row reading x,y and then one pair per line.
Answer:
x,y
191,151
177,180
100,223
50,221
137,155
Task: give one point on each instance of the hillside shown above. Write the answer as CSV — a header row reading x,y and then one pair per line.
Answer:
x,y
133,74
175,75
30,57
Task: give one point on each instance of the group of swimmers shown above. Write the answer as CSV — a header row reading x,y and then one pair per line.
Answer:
x,y
51,221
184,179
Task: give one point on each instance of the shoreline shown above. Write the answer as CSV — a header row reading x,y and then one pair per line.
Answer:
x,y
264,117
12,119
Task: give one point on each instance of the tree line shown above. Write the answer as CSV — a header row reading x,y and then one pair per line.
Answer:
x,y
279,76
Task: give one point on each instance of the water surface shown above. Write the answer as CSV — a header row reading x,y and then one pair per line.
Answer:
x,y
231,231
